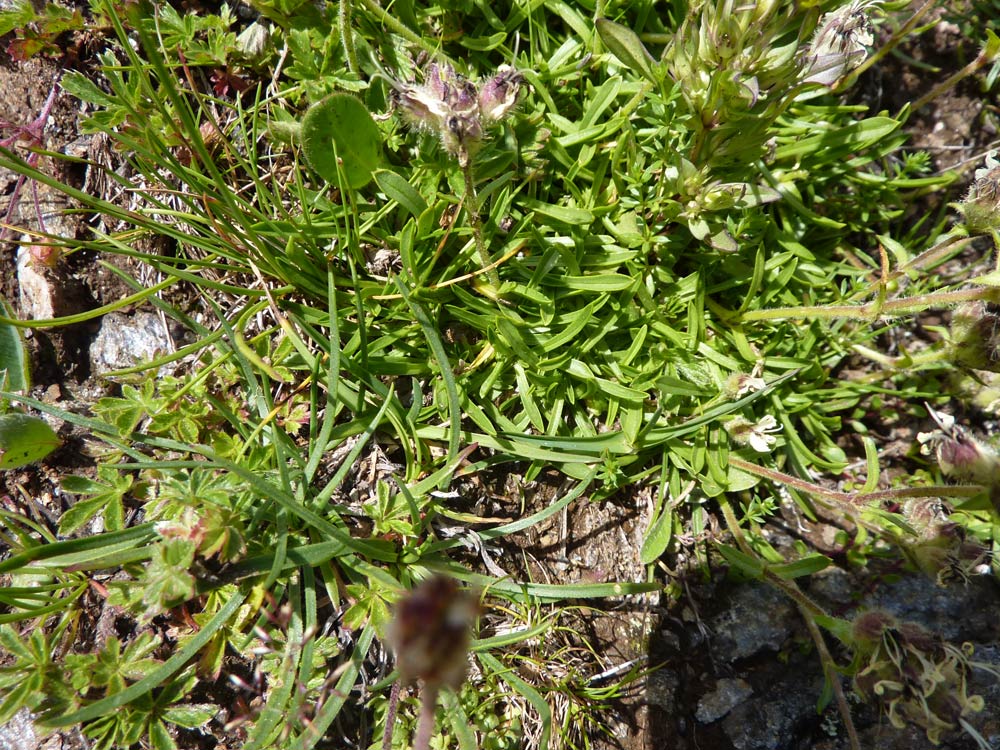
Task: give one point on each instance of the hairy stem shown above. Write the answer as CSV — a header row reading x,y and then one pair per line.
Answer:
x,y
347,35
472,209
425,726
984,58
855,499
830,670
390,716
873,310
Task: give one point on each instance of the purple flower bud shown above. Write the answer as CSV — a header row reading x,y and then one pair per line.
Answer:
x,y
498,95
960,455
451,106
437,80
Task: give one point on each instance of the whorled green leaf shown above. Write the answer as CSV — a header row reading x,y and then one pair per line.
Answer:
x,y
24,439
340,129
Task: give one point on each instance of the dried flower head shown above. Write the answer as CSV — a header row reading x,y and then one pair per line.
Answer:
x,y
739,384
451,106
430,632
959,454
839,45
943,550
255,41
916,677
981,206
975,336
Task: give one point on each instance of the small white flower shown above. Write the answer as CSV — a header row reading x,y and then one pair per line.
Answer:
x,y
745,384
758,436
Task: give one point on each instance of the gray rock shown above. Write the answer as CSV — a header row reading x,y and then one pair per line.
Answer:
x,y
832,588
774,718
661,690
759,617
956,612
19,732
728,694
125,341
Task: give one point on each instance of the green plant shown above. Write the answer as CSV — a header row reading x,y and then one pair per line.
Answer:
x,y
687,241
38,30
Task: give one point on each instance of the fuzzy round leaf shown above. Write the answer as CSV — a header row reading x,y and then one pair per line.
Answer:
x,y
24,439
340,126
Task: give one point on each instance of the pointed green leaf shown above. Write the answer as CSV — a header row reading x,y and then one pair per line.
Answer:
x,y
657,538
749,566
13,360
398,189
627,47
804,567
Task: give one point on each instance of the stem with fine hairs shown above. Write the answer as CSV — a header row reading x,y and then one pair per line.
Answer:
x,y
425,725
390,716
472,209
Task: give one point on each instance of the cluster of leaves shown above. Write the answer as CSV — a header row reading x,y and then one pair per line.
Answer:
x,y
672,200
39,31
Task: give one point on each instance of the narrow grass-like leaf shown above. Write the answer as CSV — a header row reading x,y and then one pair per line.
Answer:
x,y
329,711
77,550
536,518
530,694
444,366
458,720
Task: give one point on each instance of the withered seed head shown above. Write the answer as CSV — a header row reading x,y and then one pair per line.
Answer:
x,y
431,630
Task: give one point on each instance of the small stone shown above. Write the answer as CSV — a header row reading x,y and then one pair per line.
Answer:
x,y
728,694
661,690
38,295
19,732
125,341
